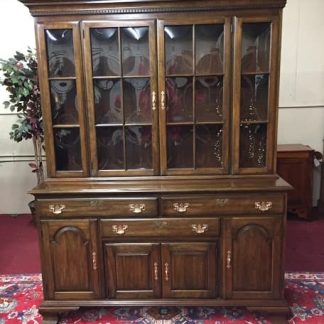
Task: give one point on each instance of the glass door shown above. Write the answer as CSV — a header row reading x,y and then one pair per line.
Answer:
x,y
122,97
62,102
255,106
194,95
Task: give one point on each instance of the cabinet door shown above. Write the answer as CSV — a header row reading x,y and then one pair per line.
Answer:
x,y
62,99
252,259
119,59
194,61
69,257
132,270
189,270
255,100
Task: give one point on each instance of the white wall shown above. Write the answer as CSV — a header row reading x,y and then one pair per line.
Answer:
x,y
301,114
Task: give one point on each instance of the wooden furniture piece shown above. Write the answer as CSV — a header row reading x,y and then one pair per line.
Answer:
x,y
295,164
160,123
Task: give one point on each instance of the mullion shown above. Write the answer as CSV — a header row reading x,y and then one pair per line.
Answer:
x,y
122,93
194,96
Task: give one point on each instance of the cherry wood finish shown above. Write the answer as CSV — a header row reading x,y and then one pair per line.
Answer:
x,y
160,123
295,164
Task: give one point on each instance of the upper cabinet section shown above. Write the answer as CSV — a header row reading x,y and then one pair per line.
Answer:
x,y
190,93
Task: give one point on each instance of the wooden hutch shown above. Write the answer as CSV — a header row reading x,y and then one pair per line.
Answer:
x,y
160,121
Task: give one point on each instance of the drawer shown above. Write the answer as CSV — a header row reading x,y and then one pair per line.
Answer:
x,y
120,207
215,205
162,227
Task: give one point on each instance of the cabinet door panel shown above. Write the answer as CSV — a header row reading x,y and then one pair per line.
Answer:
x,y
62,98
255,108
251,261
70,259
132,270
194,60
189,270
121,82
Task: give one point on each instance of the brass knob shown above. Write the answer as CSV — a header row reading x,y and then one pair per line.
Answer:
x,y
119,229
153,100
156,271
199,228
181,207
166,271
263,205
228,259
94,260
163,104
56,209
136,208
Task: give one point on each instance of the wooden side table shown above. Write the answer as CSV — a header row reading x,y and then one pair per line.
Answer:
x,y
295,164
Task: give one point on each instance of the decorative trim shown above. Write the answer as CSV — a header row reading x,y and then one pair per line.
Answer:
x,y
6,158
302,106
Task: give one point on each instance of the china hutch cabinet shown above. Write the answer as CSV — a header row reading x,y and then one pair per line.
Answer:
x,y
160,120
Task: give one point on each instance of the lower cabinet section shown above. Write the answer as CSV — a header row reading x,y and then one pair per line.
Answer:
x,y
168,270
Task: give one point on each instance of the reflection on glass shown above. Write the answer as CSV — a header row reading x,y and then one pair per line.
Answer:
x,y
209,99
105,51
179,99
135,51
139,147
110,148
209,49
178,49
255,47
209,146
180,146
253,140
67,149
107,99
60,52
254,97
63,102
137,100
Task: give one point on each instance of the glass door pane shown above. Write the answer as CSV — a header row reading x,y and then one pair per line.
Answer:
x,y
195,112
121,86
62,99
255,76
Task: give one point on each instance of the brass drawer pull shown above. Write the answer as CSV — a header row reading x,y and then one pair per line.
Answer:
x,y
199,228
263,205
166,271
228,259
156,271
56,209
181,207
137,208
94,260
119,229
153,100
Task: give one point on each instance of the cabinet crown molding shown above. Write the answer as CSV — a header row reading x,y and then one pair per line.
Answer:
x,y
77,7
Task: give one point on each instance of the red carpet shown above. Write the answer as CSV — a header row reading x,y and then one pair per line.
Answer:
x,y
21,295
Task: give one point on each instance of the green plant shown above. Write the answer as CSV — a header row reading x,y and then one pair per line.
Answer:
x,y
21,81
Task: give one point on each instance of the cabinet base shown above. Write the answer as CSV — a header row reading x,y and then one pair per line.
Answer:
x,y
277,311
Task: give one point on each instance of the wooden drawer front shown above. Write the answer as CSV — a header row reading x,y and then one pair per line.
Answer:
x,y
163,227
146,207
203,206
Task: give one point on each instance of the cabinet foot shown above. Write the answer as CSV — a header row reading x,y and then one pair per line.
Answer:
x,y
277,315
51,315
